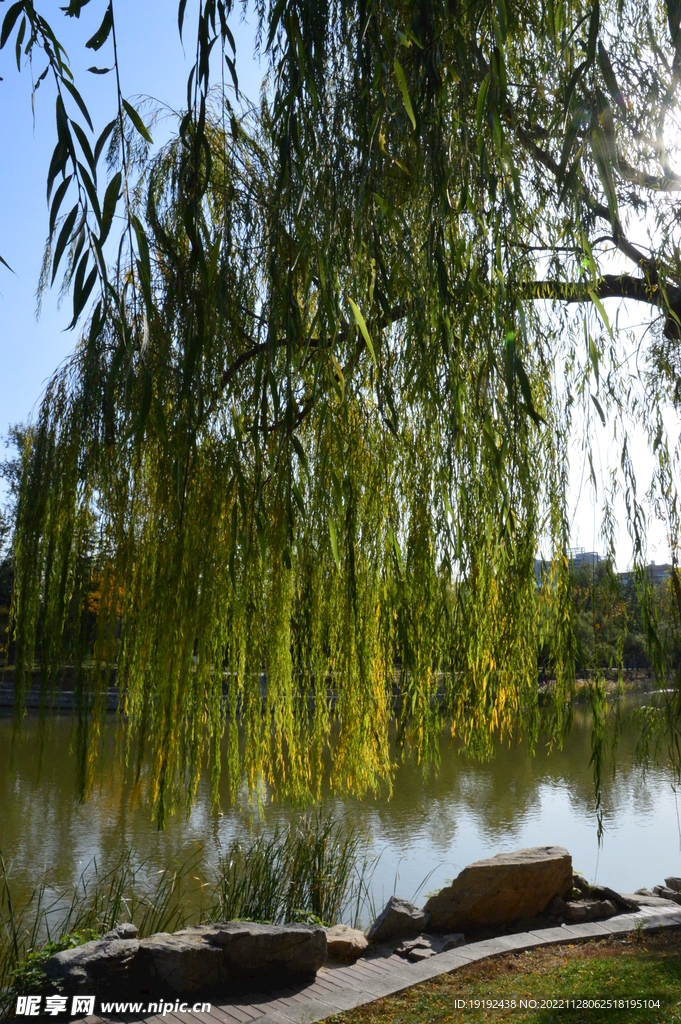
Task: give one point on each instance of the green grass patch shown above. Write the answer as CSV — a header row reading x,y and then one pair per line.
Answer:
x,y
637,969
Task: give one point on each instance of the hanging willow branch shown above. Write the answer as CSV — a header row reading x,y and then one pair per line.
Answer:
x,y
317,426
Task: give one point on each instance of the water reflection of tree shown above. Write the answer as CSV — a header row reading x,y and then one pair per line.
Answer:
x,y
44,827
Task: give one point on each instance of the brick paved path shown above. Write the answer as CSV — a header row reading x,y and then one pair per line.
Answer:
x,y
336,989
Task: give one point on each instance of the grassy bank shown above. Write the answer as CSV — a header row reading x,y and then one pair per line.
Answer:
x,y
616,969
315,871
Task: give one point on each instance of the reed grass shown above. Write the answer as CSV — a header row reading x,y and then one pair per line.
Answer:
x,y
315,871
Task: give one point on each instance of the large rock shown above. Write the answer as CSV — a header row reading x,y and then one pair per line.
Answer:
x,y
399,919
502,889
231,956
217,957
673,883
345,943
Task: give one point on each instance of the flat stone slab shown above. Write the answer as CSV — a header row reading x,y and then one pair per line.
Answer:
x,y
666,893
648,900
502,889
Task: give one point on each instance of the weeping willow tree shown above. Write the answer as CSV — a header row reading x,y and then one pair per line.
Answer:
x,y
318,421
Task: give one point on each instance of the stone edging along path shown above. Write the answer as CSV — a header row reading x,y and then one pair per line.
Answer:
x,y
337,989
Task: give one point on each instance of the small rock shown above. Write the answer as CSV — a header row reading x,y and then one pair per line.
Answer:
x,y
345,943
666,893
673,883
601,892
398,919
590,910
254,954
417,955
418,949
425,946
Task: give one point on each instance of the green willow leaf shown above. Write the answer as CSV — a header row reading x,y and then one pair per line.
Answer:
x,y
275,17
406,99
91,192
9,21
79,100
180,16
601,309
96,42
64,236
137,121
20,39
58,163
609,76
363,328
482,97
334,542
109,207
594,23
599,410
57,201
101,141
85,146
593,356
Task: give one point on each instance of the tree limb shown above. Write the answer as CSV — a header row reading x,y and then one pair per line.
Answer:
x,y
611,286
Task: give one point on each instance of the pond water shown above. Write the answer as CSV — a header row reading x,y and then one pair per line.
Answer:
x,y
434,824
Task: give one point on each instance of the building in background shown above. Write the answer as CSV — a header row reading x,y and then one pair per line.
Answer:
x,y
579,557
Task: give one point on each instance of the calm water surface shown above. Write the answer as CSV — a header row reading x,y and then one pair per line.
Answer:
x,y
437,823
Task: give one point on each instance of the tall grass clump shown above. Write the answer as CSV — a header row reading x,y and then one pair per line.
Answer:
x,y
314,870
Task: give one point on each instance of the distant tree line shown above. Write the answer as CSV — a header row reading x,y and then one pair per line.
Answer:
x,y
608,621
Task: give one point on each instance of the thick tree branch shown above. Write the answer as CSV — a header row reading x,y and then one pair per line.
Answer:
x,y
655,182
611,286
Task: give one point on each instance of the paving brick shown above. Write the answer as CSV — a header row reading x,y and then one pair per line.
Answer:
x,y
588,930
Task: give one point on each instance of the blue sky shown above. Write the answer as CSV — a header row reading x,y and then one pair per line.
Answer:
x,y
152,64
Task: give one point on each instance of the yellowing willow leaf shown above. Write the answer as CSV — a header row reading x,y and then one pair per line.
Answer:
x,y
402,82
363,328
334,542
